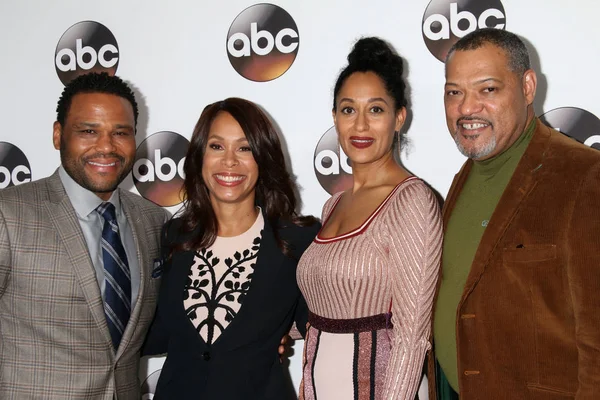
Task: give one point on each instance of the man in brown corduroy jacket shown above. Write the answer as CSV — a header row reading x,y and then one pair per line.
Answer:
x,y
518,311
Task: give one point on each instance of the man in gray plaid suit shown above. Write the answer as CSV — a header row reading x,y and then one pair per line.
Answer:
x,y
59,336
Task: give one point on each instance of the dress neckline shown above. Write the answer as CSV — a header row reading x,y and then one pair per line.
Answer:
x,y
362,227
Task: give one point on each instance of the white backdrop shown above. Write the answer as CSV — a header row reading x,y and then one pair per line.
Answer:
x,y
175,55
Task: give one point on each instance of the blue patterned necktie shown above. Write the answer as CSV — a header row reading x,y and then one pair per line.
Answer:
x,y
117,278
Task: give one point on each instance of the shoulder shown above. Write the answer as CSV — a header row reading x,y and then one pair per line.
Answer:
x,y
299,237
172,228
565,164
25,190
30,196
291,231
144,206
569,155
413,192
413,200
173,232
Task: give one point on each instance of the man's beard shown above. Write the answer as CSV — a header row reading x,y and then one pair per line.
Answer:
x,y
75,168
476,153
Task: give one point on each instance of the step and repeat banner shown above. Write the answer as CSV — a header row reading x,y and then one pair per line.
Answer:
x,y
284,55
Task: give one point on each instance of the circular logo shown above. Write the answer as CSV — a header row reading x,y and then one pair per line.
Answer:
x,y
446,21
87,46
158,169
14,166
332,166
577,123
262,42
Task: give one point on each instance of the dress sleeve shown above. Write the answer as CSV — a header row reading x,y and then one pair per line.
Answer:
x,y
414,230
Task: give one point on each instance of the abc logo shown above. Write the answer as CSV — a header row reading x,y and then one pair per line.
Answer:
x,y
577,123
87,46
158,168
262,42
446,21
332,166
14,166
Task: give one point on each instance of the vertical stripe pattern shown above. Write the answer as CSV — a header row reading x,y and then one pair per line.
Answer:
x,y
394,255
117,279
370,356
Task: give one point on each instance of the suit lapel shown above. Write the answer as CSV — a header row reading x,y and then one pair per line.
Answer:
x,y
134,219
64,219
269,258
522,182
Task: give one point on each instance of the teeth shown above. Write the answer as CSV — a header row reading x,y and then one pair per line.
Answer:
x,y
228,178
474,126
112,164
362,140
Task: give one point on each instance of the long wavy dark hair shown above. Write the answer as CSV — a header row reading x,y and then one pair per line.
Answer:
x,y
275,190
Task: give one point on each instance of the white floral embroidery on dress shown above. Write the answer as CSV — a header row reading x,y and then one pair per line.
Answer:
x,y
219,280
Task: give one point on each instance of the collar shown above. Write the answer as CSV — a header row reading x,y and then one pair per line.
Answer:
x,y
84,201
491,166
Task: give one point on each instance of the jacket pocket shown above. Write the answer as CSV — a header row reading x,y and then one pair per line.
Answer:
x,y
539,392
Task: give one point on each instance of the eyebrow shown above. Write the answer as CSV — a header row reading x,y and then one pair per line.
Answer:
x,y
96,125
242,139
479,82
123,126
371,100
86,124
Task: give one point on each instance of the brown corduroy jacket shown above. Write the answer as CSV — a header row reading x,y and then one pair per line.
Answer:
x,y
528,322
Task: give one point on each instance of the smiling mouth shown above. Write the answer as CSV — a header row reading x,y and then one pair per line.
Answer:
x,y
97,164
361,142
473,126
230,178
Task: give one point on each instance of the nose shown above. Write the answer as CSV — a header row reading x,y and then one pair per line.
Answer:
x,y
362,123
230,158
471,104
104,143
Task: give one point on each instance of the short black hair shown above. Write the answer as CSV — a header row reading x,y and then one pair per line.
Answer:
x,y
372,54
94,83
513,46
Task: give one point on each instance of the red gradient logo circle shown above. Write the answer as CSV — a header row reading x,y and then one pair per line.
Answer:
x,y
87,46
262,42
444,22
158,169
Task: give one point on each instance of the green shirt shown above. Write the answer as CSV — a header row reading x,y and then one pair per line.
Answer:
x,y
473,210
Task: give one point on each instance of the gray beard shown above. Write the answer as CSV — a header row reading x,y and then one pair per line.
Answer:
x,y
476,154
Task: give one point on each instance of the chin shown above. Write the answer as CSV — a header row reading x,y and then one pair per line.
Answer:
x,y
229,199
362,157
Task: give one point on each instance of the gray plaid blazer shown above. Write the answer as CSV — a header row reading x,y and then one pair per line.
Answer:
x,y
54,341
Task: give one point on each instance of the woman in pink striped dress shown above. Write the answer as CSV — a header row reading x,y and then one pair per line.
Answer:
x,y
370,275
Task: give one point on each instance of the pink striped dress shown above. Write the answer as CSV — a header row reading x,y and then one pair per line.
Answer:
x,y
370,294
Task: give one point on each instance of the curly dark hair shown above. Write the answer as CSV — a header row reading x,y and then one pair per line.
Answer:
x,y
275,190
94,83
372,54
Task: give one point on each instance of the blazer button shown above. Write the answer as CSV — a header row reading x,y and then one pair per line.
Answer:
x,y
206,356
